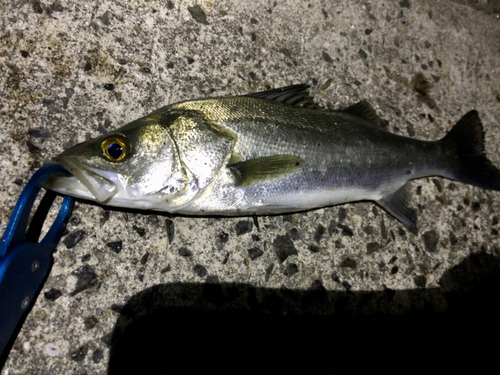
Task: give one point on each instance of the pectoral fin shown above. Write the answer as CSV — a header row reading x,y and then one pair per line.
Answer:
x,y
397,204
256,170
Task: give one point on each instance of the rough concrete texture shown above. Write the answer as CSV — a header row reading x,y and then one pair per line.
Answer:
x,y
71,70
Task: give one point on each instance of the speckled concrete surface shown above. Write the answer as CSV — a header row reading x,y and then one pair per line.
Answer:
x,y
71,70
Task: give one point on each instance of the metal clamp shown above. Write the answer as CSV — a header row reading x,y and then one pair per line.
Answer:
x,y
24,262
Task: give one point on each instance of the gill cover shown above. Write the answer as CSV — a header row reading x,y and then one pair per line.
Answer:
x,y
203,147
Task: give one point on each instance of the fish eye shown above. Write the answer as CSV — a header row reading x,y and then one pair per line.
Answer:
x,y
115,148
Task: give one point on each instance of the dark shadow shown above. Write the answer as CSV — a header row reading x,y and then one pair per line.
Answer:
x,y
218,324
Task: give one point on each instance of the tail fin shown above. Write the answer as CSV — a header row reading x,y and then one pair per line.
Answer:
x,y
472,166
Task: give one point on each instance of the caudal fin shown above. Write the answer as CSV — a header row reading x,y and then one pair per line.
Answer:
x,y
472,166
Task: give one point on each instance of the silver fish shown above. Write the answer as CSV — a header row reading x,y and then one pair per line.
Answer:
x,y
266,153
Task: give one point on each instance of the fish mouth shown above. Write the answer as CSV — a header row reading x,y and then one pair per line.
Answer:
x,y
86,182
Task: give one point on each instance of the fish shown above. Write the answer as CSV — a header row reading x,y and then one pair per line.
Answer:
x,y
269,152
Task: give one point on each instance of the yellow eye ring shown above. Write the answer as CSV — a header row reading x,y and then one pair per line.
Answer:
x,y
115,148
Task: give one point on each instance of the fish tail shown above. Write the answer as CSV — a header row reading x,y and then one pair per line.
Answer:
x,y
472,166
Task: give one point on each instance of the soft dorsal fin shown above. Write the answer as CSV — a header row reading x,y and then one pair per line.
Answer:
x,y
364,110
296,95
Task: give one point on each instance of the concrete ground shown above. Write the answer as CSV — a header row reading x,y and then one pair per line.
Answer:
x,y
72,70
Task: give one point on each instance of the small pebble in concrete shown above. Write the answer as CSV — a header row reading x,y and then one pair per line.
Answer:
x,y
169,224
244,226
140,231
431,239
327,58
313,248
107,339
185,252
144,258
320,230
221,240
346,231
453,239
383,229
405,4
362,54
348,263
116,246
78,355
332,227
198,14
475,206
75,220
369,230
284,247
98,355
254,253
269,271
438,185
342,214
87,278
37,8
372,247
52,294
90,322
291,269
200,270
73,238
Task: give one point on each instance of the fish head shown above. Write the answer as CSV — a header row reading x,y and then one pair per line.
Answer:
x,y
136,166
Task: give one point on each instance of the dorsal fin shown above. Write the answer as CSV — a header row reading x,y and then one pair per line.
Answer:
x,y
364,110
296,95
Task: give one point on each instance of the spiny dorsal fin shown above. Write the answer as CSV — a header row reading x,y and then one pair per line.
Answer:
x,y
397,204
256,170
364,110
296,95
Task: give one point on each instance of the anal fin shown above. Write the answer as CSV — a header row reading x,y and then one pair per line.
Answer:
x,y
397,204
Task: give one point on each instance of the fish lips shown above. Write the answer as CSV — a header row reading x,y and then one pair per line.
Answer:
x,y
86,181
